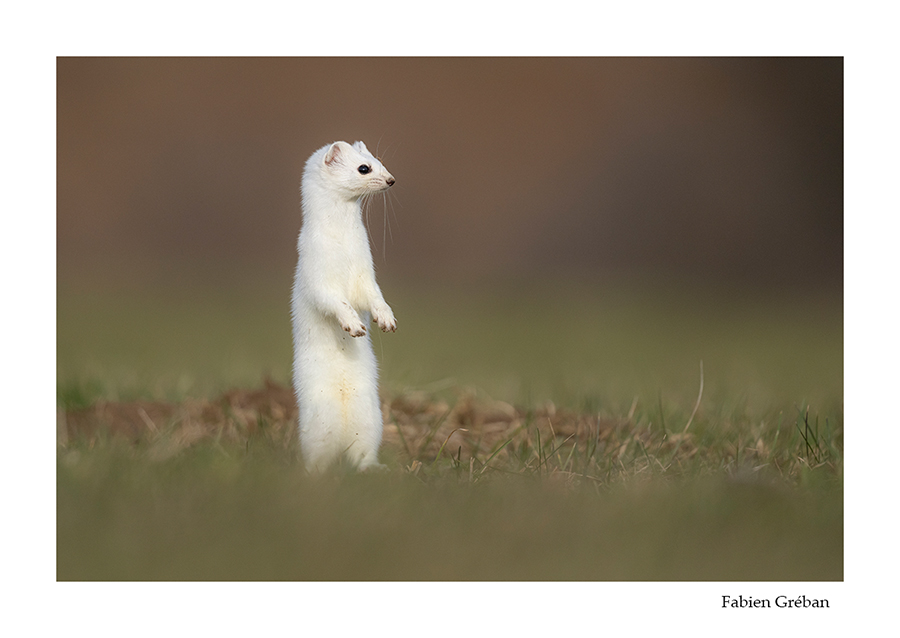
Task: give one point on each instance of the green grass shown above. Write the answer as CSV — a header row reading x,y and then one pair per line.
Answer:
x,y
168,345
593,474
584,348
223,513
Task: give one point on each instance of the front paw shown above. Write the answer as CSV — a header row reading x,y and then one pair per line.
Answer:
x,y
351,323
355,328
384,317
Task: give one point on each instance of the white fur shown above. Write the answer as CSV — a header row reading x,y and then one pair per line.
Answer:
x,y
335,297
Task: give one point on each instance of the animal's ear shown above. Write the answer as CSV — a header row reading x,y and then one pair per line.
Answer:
x,y
359,146
333,154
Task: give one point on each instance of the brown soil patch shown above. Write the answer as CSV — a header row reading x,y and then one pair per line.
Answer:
x,y
416,425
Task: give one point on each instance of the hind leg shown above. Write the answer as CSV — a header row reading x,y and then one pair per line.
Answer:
x,y
318,458
368,460
320,443
365,459
364,437
363,449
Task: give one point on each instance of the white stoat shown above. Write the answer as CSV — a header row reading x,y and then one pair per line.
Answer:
x,y
335,296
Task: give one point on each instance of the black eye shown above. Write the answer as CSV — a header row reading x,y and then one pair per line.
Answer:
x,y
363,169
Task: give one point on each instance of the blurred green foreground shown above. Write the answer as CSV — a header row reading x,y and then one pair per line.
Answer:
x,y
752,490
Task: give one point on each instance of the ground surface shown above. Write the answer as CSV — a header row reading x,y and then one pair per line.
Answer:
x,y
558,441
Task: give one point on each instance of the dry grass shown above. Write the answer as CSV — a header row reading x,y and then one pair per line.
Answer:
x,y
601,464
476,435
478,490
233,417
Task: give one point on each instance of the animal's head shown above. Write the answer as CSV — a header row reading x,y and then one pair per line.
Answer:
x,y
354,170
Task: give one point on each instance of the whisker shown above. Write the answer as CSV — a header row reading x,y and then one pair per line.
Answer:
x,y
383,230
393,199
387,218
389,148
397,199
365,208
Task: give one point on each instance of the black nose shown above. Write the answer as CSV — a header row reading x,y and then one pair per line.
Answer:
x,y
390,181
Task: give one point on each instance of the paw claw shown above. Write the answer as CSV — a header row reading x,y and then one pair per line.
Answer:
x,y
355,331
384,316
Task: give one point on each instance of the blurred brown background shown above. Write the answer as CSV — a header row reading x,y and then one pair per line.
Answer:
x,y
174,171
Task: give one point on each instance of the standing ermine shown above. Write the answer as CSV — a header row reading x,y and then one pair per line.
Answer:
x,y
335,296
